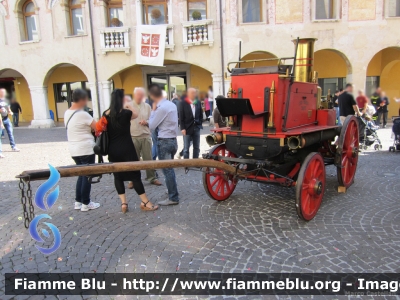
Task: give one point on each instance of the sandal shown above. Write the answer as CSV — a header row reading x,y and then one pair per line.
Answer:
x,y
124,207
144,206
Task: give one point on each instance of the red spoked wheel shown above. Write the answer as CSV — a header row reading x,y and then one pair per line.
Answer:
x,y
310,186
347,152
218,184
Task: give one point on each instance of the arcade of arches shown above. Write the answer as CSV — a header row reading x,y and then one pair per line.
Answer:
x,y
175,77
62,79
384,71
333,69
41,103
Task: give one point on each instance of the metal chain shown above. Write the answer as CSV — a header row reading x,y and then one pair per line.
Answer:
x,y
23,202
28,217
29,195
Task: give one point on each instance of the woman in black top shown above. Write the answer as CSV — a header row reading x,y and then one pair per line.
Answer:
x,y
121,148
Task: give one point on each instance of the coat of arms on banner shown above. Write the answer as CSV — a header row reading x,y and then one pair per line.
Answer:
x,y
150,44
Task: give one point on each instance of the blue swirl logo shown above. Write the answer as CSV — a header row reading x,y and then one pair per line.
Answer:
x,y
50,201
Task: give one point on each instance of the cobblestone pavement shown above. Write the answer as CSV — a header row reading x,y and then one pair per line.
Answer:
x,y
256,230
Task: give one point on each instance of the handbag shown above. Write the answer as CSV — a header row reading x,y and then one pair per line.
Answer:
x,y
102,142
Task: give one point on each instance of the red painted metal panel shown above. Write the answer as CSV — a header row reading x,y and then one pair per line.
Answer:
x,y
326,117
303,105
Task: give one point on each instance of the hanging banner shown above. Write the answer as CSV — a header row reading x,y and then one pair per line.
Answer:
x,y
150,44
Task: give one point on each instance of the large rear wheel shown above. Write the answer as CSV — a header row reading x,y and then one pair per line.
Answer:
x,y
218,184
347,152
310,186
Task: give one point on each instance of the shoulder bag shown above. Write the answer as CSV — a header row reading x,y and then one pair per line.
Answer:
x,y
102,143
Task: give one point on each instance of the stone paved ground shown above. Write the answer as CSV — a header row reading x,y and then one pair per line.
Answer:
x,y
256,230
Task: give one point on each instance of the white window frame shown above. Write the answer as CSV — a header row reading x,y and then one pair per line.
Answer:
x,y
387,11
314,12
170,25
68,19
21,24
139,12
264,15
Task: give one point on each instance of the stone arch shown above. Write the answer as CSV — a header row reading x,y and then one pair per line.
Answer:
x,y
334,69
20,3
326,58
380,59
11,77
61,80
256,55
10,72
60,65
384,70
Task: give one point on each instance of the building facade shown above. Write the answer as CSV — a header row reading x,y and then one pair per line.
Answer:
x,y
50,47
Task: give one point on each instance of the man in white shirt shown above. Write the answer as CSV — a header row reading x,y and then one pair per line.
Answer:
x,y
140,133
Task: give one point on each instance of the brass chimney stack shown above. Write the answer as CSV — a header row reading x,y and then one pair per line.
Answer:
x,y
304,64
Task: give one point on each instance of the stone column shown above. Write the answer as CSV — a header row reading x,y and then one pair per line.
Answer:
x,y
106,95
95,106
217,85
40,105
358,79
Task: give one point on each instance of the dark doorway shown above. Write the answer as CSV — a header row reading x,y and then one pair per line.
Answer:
x,y
169,82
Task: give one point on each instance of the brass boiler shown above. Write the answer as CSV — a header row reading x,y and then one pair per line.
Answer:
x,y
304,64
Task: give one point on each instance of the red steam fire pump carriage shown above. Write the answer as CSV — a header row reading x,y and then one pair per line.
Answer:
x,y
279,133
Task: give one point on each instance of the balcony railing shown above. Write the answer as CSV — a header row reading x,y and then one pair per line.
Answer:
x,y
169,39
114,39
197,33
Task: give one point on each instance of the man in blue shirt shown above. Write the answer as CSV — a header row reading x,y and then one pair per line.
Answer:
x,y
164,118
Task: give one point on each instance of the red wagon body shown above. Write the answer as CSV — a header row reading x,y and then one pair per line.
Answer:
x,y
279,133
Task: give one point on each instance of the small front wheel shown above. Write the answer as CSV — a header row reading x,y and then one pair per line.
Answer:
x,y
217,183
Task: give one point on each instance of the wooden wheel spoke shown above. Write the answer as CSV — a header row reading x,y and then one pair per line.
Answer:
x,y
306,201
217,178
344,161
304,186
219,185
316,167
318,173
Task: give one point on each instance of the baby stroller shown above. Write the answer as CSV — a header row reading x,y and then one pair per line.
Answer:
x,y
396,133
368,134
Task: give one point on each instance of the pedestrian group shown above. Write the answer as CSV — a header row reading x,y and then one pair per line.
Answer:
x,y
140,128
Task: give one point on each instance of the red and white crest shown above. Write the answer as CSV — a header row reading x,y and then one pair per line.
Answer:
x,y
151,44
